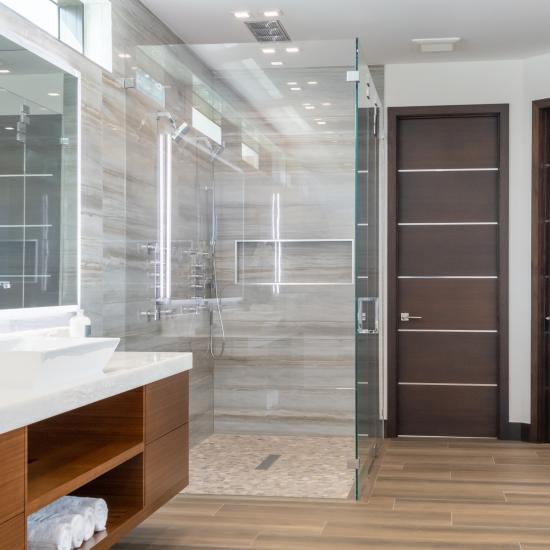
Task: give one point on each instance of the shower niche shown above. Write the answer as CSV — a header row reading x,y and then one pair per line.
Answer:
x,y
294,262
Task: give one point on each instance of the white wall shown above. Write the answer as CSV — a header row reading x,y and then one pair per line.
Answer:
x,y
518,83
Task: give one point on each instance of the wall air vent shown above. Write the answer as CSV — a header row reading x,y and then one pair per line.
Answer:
x,y
268,31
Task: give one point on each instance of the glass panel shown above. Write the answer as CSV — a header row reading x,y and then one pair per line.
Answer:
x,y
43,210
369,429
71,23
11,213
249,239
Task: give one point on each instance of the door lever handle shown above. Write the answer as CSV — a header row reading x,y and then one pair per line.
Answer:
x,y
405,317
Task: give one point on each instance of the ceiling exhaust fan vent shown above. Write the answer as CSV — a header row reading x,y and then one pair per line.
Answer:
x,y
268,31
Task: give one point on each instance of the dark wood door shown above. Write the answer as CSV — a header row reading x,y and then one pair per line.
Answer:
x,y
540,413
546,264
448,264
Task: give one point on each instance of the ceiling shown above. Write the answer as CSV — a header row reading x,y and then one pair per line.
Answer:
x,y
490,29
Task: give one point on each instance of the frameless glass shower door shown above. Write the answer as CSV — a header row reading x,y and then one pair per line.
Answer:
x,y
369,419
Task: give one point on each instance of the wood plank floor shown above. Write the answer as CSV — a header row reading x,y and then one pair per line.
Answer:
x,y
428,494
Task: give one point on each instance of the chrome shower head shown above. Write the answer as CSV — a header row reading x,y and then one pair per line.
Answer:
x,y
167,115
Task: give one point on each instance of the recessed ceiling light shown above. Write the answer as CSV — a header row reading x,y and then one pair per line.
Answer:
x,y
293,50
124,55
276,63
306,104
9,128
291,83
313,83
268,50
272,13
317,119
310,107
242,14
326,104
54,94
430,45
321,122
295,89
5,71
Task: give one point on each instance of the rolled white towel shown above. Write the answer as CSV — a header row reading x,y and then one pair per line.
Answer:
x,y
76,522
94,511
98,505
49,534
82,522
89,522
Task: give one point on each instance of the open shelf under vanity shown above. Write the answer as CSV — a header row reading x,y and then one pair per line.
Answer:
x,y
130,449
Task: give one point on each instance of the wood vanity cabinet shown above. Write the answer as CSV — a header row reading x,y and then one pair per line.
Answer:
x,y
131,449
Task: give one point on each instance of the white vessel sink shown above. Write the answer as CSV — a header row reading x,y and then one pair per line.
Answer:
x,y
41,361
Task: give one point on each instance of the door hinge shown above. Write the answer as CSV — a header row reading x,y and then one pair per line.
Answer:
x,y
354,464
353,76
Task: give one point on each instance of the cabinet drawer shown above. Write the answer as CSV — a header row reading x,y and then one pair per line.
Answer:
x,y
12,474
167,466
12,534
166,406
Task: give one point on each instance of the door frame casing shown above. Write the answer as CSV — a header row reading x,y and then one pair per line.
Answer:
x,y
537,432
394,114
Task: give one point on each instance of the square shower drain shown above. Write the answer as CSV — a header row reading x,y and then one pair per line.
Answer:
x,y
267,462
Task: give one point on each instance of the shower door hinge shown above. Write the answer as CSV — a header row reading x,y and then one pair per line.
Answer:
x,y
353,76
354,464
129,82
64,141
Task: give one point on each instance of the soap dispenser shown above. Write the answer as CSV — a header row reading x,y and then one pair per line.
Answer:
x,y
80,326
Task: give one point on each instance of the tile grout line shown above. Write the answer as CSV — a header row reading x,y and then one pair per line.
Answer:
x,y
323,529
218,510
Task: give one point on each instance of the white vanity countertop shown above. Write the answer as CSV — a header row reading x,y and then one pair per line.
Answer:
x,y
126,371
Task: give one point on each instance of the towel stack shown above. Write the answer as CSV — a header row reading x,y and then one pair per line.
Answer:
x,y
66,523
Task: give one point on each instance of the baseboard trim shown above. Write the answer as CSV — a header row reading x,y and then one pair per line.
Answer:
x,y
516,431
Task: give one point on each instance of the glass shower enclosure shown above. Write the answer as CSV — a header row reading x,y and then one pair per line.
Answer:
x,y
257,255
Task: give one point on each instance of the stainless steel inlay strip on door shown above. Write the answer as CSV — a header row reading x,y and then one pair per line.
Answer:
x,y
404,171
447,277
446,223
445,436
444,330
446,384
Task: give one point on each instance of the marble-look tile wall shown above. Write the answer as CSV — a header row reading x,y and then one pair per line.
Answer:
x,y
119,217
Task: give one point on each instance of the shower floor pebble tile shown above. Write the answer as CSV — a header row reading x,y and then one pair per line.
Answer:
x,y
315,467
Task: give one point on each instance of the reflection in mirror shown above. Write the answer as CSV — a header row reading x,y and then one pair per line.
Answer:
x,y
38,181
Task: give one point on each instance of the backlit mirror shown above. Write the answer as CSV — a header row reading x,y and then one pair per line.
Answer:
x,y
38,181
